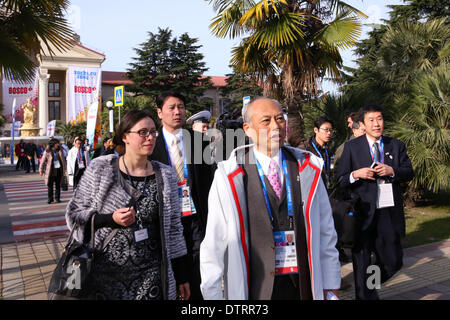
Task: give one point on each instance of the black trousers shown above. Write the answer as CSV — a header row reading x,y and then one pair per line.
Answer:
x,y
21,162
196,280
77,177
55,179
192,236
30,163
378,245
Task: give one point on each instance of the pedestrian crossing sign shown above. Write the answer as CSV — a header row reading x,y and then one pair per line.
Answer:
x,y
118,96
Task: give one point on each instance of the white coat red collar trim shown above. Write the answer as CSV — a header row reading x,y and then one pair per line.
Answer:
x,y
312,191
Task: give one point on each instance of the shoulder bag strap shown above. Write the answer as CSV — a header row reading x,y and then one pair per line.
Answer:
x,y
109,238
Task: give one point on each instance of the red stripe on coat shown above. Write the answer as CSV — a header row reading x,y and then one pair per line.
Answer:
x,y
308,211
241,219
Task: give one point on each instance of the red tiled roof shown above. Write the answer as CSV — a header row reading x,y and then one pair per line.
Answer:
x,y
120,78
115,78
218,81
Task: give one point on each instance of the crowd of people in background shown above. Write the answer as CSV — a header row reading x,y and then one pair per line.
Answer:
x,y
27,152
218,239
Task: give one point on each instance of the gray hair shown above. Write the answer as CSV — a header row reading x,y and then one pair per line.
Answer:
x,y
247,116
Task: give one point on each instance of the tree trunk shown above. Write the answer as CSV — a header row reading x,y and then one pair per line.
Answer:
x,y
296,124
414,196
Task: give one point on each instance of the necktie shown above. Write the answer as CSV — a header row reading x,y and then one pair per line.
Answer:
x,y
177,160
274,178
377,152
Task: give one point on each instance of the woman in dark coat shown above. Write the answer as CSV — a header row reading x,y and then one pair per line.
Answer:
x,y
53,167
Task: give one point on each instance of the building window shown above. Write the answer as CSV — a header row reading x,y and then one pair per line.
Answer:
x,y
54,110
53,89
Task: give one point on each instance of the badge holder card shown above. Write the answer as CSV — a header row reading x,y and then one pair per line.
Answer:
x,y
285,253
385,195
80,164
56,164
140,233
187,205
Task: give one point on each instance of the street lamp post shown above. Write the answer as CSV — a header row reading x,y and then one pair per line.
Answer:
x,y
109,105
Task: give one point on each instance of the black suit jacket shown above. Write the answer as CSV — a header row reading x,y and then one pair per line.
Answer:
x,y
200,174
357,155
31,150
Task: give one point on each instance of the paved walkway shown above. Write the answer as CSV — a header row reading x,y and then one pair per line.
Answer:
x,y
24,212
425,275
26,269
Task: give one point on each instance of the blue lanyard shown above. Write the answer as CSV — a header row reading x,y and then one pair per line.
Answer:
x,y
79,156
381,151
326,165
288,187
170,160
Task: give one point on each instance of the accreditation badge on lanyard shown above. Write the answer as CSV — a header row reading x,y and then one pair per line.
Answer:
x,y
184,191
56,163
385,193
187,205
285,253
80,161
140,233
285,249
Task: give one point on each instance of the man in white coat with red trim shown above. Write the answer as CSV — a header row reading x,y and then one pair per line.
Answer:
x,y
261,196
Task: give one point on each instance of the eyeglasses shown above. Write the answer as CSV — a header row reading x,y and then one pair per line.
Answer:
x,y
327,130
144,133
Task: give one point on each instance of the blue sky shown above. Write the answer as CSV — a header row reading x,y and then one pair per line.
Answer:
x,y
116,27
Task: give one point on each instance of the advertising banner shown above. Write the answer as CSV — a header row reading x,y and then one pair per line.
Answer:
x,y
84,91
51,128
21,91
92,122
16,131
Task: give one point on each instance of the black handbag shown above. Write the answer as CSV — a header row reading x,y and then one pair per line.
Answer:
x,y
71,275
346,215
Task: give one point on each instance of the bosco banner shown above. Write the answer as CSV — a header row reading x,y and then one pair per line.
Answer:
x,y
21,91
84,90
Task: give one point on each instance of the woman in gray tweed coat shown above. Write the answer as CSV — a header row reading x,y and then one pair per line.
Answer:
x,y
140,248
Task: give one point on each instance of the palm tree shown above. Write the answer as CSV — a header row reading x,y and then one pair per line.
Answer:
x,y
409,49
423,124
26,26
400,54
290,44
336,108
71,131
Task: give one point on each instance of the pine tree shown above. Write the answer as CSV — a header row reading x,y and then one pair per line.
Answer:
x,y
151,71
240,85
169,63
188,70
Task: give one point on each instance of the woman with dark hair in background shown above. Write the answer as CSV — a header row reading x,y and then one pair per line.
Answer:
x,y
135,205
53,165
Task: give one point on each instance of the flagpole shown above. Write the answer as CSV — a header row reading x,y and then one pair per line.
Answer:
x,y
11,150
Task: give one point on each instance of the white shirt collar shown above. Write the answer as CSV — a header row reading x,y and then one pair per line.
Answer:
x,y
371,141
169,137
264,161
